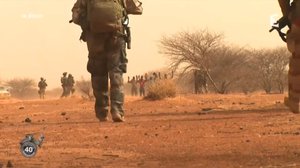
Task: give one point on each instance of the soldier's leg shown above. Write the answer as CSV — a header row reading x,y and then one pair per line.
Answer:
x,y
99,80
116,95
116,69
97,66
293,43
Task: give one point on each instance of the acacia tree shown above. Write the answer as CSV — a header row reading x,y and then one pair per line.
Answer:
x,y
21,87
204,51
281,61
270,67
191,50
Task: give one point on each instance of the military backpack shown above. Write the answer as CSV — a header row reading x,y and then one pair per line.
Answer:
x,y
104,15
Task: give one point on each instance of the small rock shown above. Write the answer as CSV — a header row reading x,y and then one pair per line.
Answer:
x,y
21,108
28,120
241,128
233,103
145,134
156,134
67,118
297,133
207,109
247,140
63,113
9,164
106,137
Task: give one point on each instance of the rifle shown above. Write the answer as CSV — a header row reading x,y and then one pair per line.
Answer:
x,y
282,22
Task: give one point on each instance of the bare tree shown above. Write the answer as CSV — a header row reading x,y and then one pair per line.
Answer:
x,y
204,51
21,87
281,61
270,67
227,66
85,87
191,50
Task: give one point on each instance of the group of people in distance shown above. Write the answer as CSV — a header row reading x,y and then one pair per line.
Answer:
x,y
67,83
140,82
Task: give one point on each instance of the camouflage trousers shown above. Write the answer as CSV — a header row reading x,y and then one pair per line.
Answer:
x,y
293,44
107,62
41,92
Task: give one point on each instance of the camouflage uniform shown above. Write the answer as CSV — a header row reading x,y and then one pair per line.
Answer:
x,y
293,44
42,88
106,60
64,85
70,84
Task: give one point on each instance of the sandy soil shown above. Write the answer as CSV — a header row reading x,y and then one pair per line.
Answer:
x,y
187,131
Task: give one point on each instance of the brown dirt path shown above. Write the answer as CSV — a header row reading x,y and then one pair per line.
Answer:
x,y
187,131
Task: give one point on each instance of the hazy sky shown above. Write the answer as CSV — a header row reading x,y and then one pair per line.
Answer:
x,y
37,40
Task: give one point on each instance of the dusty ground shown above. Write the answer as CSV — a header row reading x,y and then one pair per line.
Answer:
x,y
187,131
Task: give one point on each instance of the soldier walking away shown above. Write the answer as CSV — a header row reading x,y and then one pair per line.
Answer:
x,y
42,88
134,87
106,31
64,85
291,18
70,85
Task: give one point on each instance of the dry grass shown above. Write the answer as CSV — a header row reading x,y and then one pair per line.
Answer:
x,y
161,89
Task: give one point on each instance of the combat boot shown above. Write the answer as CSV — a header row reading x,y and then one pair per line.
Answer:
x,y
117,100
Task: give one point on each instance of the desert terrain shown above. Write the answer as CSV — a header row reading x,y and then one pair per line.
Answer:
x,y
211,130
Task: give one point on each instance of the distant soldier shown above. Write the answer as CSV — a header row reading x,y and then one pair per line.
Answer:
x,y
134,87
42,88
70,85
64,85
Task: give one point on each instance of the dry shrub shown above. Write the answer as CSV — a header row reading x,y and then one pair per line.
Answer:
x,y
161,89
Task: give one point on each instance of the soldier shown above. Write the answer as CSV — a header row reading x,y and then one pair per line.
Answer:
x,y
291,15
70,85
134,88
104,25
42,88
64,85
